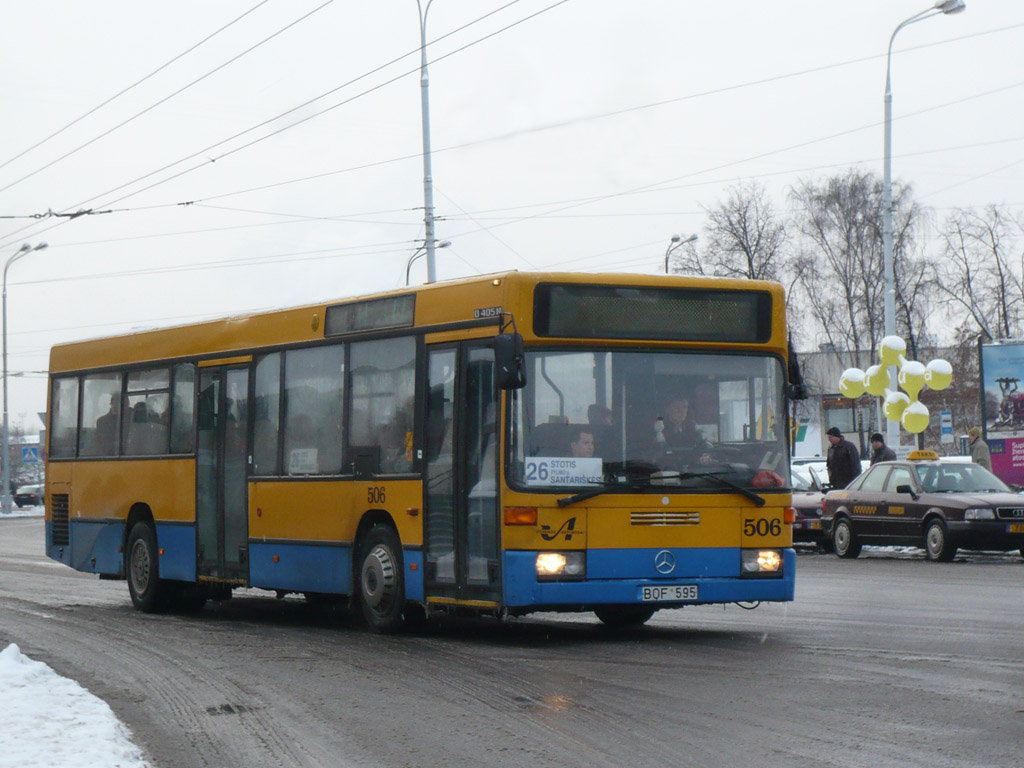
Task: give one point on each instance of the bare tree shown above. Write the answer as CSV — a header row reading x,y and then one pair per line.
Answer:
x,y
840,262
744,236
981,273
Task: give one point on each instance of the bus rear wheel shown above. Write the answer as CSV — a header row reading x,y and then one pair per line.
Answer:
x,y
149,594
624,615
380,579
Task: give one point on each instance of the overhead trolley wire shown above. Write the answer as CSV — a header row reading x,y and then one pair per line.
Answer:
x,y
167,98
123,91
293,109
596,116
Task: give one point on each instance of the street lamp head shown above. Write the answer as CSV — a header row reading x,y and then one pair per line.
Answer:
x,y
690,239
25,247
444,243
41,246
950,6
673,239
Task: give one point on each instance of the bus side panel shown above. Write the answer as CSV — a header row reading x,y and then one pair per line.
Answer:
x,y
96,546
109,489
177,546
301,567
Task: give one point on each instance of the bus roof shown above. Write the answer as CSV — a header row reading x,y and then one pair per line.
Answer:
x,y
476,300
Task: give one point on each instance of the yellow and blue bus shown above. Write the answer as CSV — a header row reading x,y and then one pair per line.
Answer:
x,y
499,445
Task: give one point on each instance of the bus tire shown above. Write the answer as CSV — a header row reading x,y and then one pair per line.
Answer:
x,y
844,540
142,567
381,586
936,543
624,615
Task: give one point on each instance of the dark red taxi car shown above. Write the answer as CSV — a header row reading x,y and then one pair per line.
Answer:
x,y
807,498
924,502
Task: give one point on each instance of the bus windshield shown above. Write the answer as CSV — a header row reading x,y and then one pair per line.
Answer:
x,y
595,418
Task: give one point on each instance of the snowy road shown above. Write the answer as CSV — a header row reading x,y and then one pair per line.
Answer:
x,y
885,660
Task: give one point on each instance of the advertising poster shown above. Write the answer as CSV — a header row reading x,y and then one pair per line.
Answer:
x,y
1002,367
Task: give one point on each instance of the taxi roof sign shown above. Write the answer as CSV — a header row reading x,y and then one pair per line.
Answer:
x,y
922,456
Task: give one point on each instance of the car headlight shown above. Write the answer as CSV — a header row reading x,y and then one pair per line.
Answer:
x,y
561,565
761,562
979,514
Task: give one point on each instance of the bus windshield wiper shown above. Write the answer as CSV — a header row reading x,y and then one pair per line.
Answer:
x,y
717,476
597,490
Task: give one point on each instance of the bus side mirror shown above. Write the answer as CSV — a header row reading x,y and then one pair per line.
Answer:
x,y
510,361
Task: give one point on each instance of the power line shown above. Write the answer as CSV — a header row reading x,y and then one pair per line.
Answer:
x,y
133,85
300,106
602,115
167,98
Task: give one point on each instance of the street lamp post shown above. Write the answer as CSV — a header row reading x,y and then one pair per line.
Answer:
x,y
5,499
676,242
419,252
428,180
940,7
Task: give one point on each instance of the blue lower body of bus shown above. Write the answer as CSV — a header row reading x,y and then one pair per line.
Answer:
x,y
614,576
628,576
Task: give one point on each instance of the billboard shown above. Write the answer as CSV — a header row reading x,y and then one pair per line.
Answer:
x,y
1002,407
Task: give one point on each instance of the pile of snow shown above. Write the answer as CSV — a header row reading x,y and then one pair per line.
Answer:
x,y
48,720
25,512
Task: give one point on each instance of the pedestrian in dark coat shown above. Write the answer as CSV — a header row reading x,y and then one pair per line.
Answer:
x,y
880,451
843,461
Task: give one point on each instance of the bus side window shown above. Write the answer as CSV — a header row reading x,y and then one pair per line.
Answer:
x,y
266,415
64,417
183,408
101,406
383,387
313,395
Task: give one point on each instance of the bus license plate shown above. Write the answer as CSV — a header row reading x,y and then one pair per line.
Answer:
x,y
668,593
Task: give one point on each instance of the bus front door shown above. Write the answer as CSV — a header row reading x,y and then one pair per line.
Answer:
x,y
221,469
461,531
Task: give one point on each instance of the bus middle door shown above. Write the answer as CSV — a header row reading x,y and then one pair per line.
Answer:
x,y
222,527
461,531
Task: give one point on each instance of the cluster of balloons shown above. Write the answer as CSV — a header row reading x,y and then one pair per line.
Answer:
x,y
903,407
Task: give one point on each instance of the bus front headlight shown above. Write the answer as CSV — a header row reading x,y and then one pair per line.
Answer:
x,y
561,565
757,562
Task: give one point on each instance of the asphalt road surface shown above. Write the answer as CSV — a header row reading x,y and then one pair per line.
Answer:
x,y
887,660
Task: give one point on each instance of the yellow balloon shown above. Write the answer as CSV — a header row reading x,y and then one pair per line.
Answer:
x,y
938,374
911,378
876,380
895,404
851,383
890,349
915,418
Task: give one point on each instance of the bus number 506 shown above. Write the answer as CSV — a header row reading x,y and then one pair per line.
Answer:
x,y
761,527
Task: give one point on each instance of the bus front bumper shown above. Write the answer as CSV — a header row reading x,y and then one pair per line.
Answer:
x,y
523,588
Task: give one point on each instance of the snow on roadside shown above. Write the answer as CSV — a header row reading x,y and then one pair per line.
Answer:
x,y
25,512
48,720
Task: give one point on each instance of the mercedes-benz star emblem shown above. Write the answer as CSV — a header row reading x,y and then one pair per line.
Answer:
x,y
664,562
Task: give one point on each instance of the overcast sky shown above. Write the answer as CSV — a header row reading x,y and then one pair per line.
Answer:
x,y
579,134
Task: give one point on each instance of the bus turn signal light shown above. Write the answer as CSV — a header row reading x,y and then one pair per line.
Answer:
x,y
789,516
520,515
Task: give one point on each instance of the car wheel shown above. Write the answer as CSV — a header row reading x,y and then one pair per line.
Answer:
x,y
936,543
844,540
624,615
380,580
149,593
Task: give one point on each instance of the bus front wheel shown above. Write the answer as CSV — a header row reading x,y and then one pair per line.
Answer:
x,y
624,615
381,585
149,594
